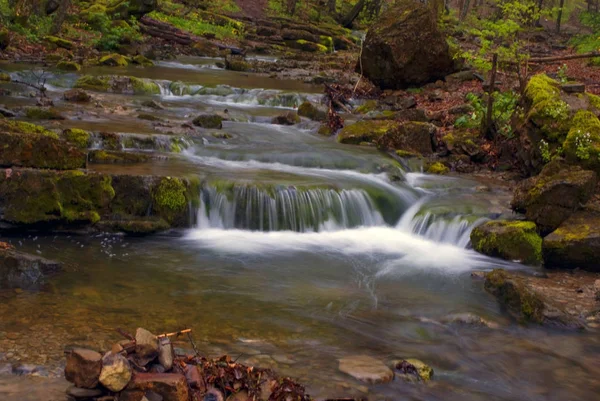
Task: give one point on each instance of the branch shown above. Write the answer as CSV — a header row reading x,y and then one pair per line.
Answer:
x,y
561,58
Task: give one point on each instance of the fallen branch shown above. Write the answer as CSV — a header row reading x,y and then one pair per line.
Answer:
x,y
539,60
176,333
125,334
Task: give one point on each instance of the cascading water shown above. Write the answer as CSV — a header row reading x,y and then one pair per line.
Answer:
x,y
286,209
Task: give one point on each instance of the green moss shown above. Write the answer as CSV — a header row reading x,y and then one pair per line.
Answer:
x,y
236,64
116,157
365,131
594,100
405,153
141,60
327,41
306,46
38,113
366,107
170,198
77,137
4,77
114,60
23,127
438,168
307,109
59,42
511,240
68,66
547,110
582,145
144,86
325,130
99,84
424,371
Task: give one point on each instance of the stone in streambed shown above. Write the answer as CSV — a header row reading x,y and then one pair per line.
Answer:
x,y
83,367
309,110
413,370
170,386
365,131
366,369
83,393
210,121
77,95
165,353
21,270
289,118
116,372
411,136
146,345
510,240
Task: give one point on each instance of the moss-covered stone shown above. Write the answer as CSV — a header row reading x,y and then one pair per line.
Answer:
x,y
98,84
404,370
236,64
309,110
135,227
78,137
23,127
289,118
547,110
76,95
68,66
114,60
367,107
4,77
144,86
39,113
582,145
141,60
170,200
325,130
411,136
327,41
214,121
179,88
116,157
365,131
510,240
59,42
437,168
306,46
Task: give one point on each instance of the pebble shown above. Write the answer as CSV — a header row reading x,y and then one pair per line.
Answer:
x,y
83,393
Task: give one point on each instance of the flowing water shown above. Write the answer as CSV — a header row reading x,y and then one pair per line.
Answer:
x,y
302,251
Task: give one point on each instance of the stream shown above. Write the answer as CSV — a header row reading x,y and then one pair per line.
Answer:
x,y
302,251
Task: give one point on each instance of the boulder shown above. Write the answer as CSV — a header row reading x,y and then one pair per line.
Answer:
x,y
146,345
170,386
511,240
21,270
214,121
575,243
77,95
404,48
289,118
411,136
114,60
551,197
68,66
366,369
83,367
365,131
116,372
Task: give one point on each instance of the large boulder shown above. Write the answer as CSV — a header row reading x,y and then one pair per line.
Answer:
x,y
551,197
404,47
412,136
83,367
576,242
511,240
21,270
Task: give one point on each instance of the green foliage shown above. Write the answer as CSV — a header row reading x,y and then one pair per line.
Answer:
x,y
545,151
505,104
194,23
589,42
562,74
114,33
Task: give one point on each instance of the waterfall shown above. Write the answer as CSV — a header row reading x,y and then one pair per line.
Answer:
x,y
286,209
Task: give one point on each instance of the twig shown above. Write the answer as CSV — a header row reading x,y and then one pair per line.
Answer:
x,y
362,44
176,333
125,334
189,334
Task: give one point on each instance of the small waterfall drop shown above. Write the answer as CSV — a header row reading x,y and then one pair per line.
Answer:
x,y
286,209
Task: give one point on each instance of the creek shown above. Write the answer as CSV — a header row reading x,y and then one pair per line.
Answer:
x,y
302,251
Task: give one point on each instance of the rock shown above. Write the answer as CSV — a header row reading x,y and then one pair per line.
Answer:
x,y
413,370
50,152
77,137
306,46
6,112
114,60
393,55
4,77
235,63
21,270
510,240
573,88
165,353
152,104
146,345
309,110
116,157
365,131
141,60
77,95
170,386
213,395
68,66
83,393
366,369
461,109
552,196
289,118
575,243
38,113
523,299
59,42
435,168
4,38
469,319
83,367
118,84
410,136
214,121
116,372
460,76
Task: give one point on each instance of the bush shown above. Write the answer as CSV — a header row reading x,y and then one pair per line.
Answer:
x,y
505,104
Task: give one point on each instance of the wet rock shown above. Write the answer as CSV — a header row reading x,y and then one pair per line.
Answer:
x,y
59,42
410,136
529,301
68,66
114,60
146,345
235,63
116,372
83,393
510,240
461,109
366,369
83,367
6,112
170,386
438,168
152,104
213,121
468,319
165,353
393,55
116,157
21,270
39,113
141,60
309,110
365,131
77,95
413,370
551,197
460,76
289,118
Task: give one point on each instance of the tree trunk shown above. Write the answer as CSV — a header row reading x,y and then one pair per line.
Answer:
x,y
291,6
465,10
59,17
351,16
560,10
488,130
331,6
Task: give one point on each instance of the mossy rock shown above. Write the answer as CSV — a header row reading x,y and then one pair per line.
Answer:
x,y
309,110
327,41
547,110
510,240
437,168
412,136
23,127
77,95
114,60
289,118
298,34
148,117
325,130
59,42
413,370
141,60
582,145
144,86
179,88
210,121
78,137
98,84
551,197
236,64
68,66
110,141
170,201
306,46
365,131
367,107
116,157
135,226
39,113
4,77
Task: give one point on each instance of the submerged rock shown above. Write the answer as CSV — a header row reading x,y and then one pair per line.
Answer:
x,y
551,197
394,55
83,368
21,270
366,369
511,240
